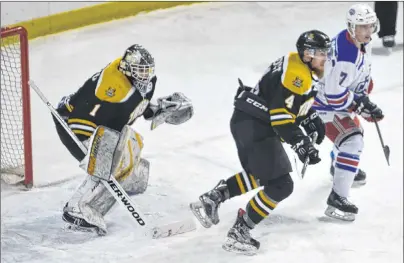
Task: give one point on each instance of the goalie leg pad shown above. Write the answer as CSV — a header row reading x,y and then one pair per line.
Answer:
x,y
92,201
110,153
134,184
79,207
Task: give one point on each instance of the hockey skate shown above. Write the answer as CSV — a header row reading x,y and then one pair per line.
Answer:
x,y
79,224
239,239
359,180
340,208
209,202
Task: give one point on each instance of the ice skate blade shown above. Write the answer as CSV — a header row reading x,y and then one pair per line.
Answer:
x,y
196,208
338,214
232,245
75,228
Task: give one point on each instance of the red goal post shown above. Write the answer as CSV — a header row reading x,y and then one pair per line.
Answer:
x,y
15,122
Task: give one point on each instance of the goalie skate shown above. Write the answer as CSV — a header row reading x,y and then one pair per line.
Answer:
x,y
238,238
79,224
340,208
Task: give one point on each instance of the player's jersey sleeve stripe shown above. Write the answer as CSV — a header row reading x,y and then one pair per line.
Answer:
x,y
80,132
82,121
82,127
281,116
276,123
281,110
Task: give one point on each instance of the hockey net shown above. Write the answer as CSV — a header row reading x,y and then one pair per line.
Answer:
x,y
15,122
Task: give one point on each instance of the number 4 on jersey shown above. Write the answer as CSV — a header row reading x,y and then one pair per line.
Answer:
x,y
289,101
304,108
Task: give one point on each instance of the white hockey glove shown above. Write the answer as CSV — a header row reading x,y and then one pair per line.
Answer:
x,y
174,109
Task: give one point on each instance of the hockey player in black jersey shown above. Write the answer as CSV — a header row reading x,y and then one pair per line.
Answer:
x,y
263,117
115,97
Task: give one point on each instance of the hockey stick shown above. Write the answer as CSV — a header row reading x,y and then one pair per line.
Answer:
x,y
386,148
306,162
116,189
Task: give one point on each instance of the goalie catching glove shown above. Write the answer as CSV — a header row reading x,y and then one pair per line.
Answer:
x,y
174,109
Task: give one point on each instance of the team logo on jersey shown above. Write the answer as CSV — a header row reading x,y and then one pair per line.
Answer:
x,y
110,92
298,82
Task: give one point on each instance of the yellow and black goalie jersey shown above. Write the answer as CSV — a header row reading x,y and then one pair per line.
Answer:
x,y
108,98
284,96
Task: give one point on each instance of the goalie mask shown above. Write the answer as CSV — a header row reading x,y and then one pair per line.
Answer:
x,y
138,65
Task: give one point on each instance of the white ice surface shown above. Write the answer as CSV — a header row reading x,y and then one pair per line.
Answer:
x,y
201,50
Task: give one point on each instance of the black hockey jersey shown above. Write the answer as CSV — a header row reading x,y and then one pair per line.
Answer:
x,y
284,96
108,98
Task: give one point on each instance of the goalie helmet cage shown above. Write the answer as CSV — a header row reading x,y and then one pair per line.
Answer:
x,y
15,122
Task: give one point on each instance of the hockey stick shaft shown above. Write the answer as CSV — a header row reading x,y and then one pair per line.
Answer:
x,y
112,185
386,149
306,162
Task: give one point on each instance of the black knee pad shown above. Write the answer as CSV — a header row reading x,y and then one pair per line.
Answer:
x,y
279,188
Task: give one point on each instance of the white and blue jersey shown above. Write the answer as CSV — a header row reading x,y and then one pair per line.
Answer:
x,y
346,77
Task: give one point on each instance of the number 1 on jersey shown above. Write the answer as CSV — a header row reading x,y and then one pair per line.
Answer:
x,y
95,109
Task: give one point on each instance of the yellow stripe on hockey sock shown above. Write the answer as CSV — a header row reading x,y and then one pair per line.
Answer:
x,y
253,182
257,209
266,200
240,184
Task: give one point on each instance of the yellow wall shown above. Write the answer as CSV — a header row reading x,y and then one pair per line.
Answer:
x,y
90,15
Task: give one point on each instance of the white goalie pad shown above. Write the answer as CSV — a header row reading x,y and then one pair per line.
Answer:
x,y
127,154
101,150
116,154
112,153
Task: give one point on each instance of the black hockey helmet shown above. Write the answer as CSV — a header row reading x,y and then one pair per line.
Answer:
x,y
313,40
138,65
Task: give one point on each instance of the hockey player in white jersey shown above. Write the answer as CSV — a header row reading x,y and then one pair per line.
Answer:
x,y
343,95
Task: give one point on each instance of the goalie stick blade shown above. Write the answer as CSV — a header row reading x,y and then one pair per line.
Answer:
x,y
174,228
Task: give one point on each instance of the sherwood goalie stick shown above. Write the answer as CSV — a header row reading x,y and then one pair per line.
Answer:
x,y
119,193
